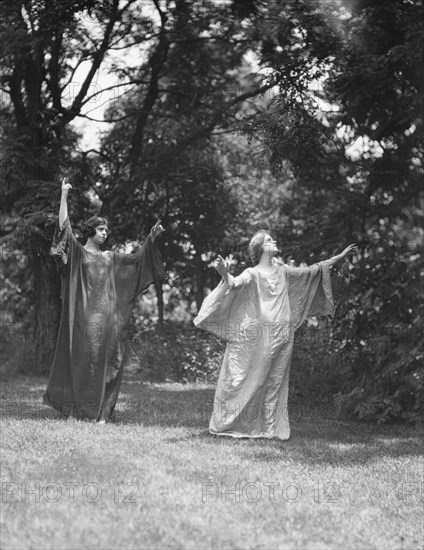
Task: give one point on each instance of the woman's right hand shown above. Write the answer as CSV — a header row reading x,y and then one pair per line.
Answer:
x,y
221,266
65,188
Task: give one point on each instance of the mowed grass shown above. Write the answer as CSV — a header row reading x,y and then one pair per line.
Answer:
x,y
157,479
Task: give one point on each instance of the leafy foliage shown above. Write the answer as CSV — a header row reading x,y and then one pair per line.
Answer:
x,y
354,143
335,156
176,353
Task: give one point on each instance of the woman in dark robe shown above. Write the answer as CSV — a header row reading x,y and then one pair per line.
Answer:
x,y
98,292
257,313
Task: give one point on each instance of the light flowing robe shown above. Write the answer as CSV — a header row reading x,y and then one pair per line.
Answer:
x,y
258,315
98,292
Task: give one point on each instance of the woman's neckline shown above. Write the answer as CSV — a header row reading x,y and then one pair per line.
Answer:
x,y
95,251
273,269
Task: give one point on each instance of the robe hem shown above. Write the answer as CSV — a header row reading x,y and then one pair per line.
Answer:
x,y
237,435
66,413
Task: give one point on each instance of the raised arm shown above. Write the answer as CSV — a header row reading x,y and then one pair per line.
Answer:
x,y
221,266
235,282
63,210
156,230
349,249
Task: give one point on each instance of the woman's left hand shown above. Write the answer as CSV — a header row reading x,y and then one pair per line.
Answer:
x,y
156,230
349,249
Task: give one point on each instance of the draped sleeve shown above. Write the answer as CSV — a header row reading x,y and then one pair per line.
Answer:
x,y
240,281
310,292
135,272
64,246
224,309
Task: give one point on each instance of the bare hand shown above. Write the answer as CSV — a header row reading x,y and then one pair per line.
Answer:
x,y
348,250
277,260
65,187
156,230
221,266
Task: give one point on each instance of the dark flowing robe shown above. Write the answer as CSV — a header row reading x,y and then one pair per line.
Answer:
x,y
98,292
258,314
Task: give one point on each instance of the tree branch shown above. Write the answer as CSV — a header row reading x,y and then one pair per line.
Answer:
x,y
73,71
113,86
156,63
97,60
106,121
54,71
16,96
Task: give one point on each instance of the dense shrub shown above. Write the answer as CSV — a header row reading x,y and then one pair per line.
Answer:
x,y
377,335
17,354
368,359
314,376
176,353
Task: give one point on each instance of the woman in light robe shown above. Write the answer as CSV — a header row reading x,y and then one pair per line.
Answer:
x,y
257,313
98,292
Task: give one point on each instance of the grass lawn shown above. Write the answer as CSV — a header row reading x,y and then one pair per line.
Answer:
x,y
157,479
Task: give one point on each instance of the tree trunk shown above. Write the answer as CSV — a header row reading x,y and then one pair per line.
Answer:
x,y
159,294
200,284
47,309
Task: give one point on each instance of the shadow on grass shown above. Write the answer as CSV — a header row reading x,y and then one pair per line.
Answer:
x,y
317,435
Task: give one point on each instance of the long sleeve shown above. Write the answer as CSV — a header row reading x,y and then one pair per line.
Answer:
x,y
135,272
241,280
150,265
225,306
64,245
310,292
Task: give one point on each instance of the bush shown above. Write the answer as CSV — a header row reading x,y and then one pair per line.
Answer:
x,y
177,353
378,337
313,376
17,355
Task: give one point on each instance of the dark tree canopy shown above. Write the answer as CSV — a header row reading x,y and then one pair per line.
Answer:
x,y
302,117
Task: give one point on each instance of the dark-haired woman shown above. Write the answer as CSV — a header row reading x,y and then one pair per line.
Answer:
x,y
98,292
258,313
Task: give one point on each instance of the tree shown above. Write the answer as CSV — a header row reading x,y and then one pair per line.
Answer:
x,y
197,91
349,121
45,44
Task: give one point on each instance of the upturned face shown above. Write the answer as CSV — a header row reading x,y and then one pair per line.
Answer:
x,y
101,234
269,246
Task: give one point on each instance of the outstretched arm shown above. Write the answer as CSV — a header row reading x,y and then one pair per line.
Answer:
x,y
221,266
349,249
63,210
156,230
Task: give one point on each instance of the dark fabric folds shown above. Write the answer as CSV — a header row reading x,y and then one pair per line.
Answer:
x,y
98,292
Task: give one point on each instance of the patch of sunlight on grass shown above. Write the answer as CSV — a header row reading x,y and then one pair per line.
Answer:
x,y
157,479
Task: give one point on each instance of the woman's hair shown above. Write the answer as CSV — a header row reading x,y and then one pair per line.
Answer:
x,y
88,228
255,245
